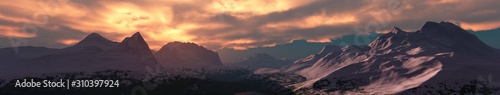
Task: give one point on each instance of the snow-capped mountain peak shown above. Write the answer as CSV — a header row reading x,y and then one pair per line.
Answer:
x,y
443,36
397,30
399,60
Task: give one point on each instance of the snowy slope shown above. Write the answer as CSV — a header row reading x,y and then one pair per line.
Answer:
x,y
400,60
310,60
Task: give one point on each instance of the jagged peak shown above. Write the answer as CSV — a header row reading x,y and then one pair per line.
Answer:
x,y
137,34
135,40
442,34
397,30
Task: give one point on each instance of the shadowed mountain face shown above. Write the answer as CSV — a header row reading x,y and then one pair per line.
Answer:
x,y
400,60
94,53
260,60
296,49
178,54
95,40
187,69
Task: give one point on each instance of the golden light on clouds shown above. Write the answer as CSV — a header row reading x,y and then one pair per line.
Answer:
x,y
14,32
480,26
324,40
437,2
68,41
237,24
13,19
254,6
240,41
313,21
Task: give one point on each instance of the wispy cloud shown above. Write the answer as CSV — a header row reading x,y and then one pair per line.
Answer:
x,y
237,24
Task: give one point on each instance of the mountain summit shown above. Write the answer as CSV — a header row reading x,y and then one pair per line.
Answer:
x,y
455,38
190,55
443,36
94,53
135,41
438,57
95,40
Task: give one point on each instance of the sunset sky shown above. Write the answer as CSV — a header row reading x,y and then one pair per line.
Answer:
x,y
236,24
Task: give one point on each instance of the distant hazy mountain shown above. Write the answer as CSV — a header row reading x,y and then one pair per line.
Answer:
x,y
260,60
178,54
296,49
438,58
489,37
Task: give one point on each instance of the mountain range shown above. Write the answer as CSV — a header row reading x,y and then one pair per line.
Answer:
x,y
96,53
260,60
438,53
439,58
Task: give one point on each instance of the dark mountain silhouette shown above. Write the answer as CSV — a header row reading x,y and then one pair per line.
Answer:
x,y
94,53
178,54
440,58
95,40
260,60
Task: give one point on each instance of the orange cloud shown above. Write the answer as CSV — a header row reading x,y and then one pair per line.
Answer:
x,y
313,21
254,6
479,26
9,31
237,24
68,41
